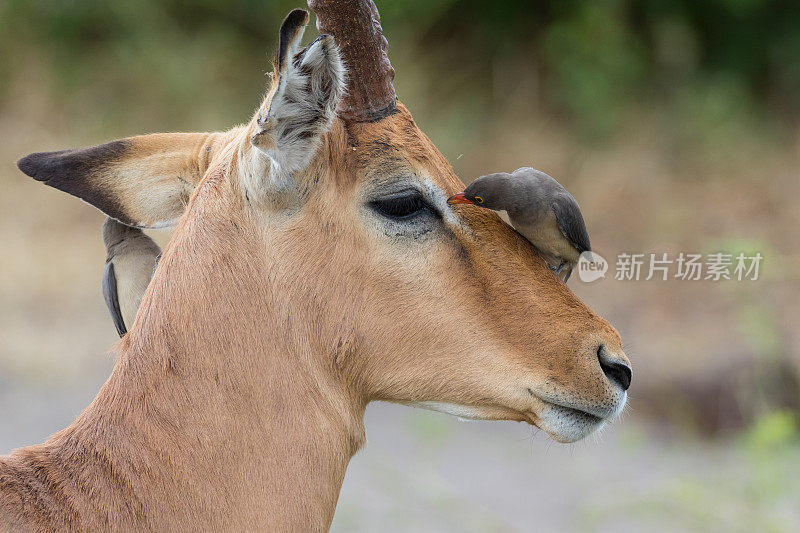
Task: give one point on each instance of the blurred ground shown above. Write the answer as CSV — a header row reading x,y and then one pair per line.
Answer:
x,y
710,440
424,471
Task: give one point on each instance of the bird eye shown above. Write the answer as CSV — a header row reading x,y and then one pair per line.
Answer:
x,y
401,207
478,199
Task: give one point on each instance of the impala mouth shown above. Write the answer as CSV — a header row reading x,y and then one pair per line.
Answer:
x,y
577,413
566,423
563,423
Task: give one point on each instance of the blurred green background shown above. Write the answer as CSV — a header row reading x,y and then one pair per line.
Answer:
x,y
675,125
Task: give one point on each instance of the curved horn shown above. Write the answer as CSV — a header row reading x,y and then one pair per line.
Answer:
x,y
356,28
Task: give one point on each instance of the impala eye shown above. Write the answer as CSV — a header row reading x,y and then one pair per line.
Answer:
x,y
478,199
401,207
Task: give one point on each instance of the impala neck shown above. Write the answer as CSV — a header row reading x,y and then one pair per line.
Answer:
x,y
218,413
223,454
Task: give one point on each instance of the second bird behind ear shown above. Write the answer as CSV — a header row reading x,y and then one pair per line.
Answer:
x,y
131,257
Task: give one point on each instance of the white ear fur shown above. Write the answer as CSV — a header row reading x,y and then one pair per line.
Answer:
x,y
294,45
302,108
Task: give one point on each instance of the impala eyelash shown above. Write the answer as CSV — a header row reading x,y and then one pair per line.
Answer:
x,y
402,207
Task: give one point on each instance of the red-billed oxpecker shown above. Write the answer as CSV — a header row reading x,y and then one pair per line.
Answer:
x,y
540,208
131,257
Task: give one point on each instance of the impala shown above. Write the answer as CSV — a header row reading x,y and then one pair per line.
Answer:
x,y
316,266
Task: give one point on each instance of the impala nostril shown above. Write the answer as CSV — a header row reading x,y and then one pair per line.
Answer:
x,y
614,369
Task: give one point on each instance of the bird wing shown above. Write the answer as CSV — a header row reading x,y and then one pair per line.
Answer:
x,y
570,222
112,300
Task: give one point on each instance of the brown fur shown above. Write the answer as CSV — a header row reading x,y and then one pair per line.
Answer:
x,y
239,392
167,165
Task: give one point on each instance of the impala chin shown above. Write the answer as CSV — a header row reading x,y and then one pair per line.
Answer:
x,y
563,423
566,423
462,412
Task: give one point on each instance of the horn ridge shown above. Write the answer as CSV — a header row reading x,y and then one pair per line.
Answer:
x,y
356,28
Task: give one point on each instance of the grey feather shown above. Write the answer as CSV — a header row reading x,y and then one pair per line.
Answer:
x,y
131,257
112,299
540,209
570,222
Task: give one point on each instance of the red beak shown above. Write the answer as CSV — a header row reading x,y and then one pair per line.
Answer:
x,y
459,199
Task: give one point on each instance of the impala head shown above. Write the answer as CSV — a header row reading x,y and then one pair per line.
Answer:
x,y
320,231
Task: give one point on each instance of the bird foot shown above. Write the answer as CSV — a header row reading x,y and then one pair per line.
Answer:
x,y
557,270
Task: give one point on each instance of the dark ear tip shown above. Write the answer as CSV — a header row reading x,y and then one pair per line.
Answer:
x,y
302,15
31,164
298,17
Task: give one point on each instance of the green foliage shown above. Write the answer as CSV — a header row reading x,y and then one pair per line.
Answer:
x,y
749,484
715,64
597,64
773,431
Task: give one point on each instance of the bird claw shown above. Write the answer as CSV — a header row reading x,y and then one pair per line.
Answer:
x,y
557,270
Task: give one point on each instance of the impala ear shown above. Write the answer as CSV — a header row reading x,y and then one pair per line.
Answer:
x,y
143,181
291,32
301,104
